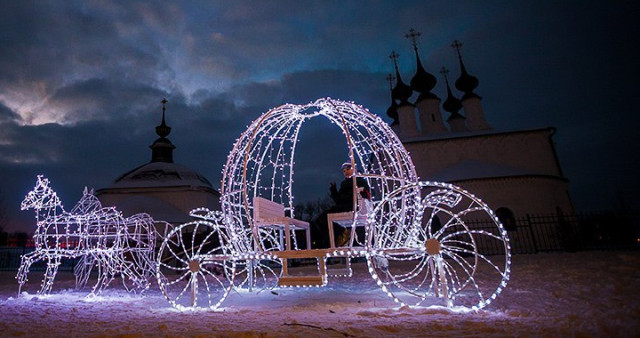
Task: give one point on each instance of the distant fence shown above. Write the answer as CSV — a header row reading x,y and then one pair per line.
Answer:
x,y
577,232
528,234
10,260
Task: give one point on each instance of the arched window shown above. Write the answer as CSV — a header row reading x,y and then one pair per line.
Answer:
x,y
506,217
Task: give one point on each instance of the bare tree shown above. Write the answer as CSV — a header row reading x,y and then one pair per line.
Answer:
x,y
311,209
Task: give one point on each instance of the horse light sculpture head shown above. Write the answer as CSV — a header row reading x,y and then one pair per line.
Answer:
x,y
87,204
41,197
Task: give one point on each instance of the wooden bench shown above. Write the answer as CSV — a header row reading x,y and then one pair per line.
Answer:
x,y
267,213
349,219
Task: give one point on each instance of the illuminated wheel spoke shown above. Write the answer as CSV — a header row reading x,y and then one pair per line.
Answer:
x,y
175,255
220,282
175,268
259,274
469,266
210,279
184,248
179,279
205,241
193,239
186,287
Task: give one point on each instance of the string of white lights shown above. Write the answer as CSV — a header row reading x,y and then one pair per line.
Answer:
x,y
472,251
426,243
409,216
100,238
195,265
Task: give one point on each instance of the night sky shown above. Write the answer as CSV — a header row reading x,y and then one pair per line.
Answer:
x,y
81,81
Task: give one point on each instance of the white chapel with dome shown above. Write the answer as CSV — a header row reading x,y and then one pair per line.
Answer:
x,y
164,189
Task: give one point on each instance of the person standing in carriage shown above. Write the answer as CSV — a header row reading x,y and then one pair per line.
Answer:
x,y
343,201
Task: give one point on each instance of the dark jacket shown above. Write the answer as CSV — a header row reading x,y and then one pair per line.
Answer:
x,y
343,197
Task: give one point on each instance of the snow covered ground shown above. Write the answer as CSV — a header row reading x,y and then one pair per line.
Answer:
x,y
559,294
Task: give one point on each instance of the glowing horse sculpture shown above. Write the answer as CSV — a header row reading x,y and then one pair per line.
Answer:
x,y
99,237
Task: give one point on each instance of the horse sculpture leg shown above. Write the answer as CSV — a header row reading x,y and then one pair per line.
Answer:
x,y
50,274
106,273
127,274
132,272
25,264
97,288
110,269
82,270
136,257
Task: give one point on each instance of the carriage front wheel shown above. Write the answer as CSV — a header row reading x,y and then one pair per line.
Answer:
x,y
194,266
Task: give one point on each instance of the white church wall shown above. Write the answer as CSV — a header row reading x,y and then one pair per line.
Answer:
x,y
527,195
526,152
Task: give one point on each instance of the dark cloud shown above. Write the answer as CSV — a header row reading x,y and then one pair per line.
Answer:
x,y
99,99
81,81
7,115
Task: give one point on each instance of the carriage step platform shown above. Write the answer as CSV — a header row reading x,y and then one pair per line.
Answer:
x,y
340,272
302,281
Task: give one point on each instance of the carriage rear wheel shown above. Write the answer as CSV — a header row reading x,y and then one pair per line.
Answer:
x,y
445,248
194,269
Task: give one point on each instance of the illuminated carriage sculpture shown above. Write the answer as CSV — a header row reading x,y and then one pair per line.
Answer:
x,y
423,242
100,238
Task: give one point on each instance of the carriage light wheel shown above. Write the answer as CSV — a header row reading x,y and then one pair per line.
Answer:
x,y
445,248
193,270
258,274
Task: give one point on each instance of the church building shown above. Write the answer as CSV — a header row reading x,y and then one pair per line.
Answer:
x,y
516,172
164,189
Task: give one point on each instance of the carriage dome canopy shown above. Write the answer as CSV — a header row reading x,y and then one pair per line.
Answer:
x,y
262,159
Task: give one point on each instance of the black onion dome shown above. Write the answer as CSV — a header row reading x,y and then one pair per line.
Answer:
x,y
423,81
452,104
392,112
163,130
467,83
401,91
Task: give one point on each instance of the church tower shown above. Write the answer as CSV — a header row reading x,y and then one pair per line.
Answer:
x,y
392,111
452,105
470,101
402,92
428,103
162,148
515,171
